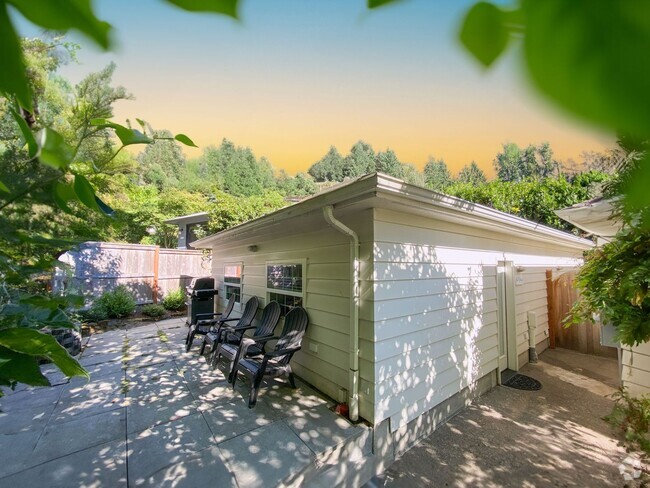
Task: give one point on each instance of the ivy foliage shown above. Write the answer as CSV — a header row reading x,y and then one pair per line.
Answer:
x,y
615,282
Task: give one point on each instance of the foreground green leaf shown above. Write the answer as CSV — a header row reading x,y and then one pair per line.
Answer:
x,y
64,15
126,136
225,7
13,79
28,135
591,58
185,140
85,192
484,32
54,151
21,367
380,3
35,343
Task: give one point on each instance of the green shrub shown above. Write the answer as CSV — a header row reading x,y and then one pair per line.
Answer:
x,y
117,303
174,300
154,310
93,314
631,417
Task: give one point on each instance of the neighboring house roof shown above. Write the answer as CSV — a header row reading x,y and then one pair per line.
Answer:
x,y
595,217
194,218
378,190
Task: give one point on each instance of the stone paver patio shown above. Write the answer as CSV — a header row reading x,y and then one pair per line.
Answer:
x,y
154,415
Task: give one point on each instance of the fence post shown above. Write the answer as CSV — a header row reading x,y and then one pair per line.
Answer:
x,y
156,255
550,302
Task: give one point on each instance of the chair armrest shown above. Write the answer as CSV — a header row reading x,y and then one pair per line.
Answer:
x,y
282,352
202,316
243,327
228,320
262,339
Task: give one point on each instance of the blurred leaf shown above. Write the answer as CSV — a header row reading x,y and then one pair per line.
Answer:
x,y
226,7
637,195
185,140
54,151
20,367
35,343
63,193
484,33
591,57
103,207
12,75
380,3
63,15
85,192
4,187
28,135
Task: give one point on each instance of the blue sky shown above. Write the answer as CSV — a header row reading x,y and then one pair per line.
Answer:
x,y
293,77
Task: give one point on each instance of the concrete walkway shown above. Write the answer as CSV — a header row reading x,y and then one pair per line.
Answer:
x,y
512,438
153,415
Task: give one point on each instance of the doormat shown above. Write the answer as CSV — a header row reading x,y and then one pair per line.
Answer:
x,y
523,382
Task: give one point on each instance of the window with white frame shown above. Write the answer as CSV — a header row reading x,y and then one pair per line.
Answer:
x,y
284,284
232,278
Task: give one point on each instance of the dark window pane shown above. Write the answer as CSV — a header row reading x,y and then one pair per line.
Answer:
x,y
284,277
287,302
233,290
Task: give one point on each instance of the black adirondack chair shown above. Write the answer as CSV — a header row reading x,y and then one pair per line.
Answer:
x,y
228,344
275,363
206,321
211,337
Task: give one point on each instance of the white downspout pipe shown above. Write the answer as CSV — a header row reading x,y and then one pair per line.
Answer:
x,y
354,309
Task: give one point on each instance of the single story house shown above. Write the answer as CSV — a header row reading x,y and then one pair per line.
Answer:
x,y
187,225
418,301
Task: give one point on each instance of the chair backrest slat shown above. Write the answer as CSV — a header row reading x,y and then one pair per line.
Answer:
x,y
295,326
270,318
250,309
229,306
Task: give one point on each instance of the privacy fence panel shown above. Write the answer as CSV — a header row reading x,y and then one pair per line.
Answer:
x,y
148,271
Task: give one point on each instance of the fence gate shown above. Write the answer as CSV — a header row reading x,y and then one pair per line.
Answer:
x,y
584,337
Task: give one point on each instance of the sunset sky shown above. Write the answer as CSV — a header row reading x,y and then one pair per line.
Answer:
x,y
296,76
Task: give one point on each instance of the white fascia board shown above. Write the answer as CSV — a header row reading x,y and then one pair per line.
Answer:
x,y
356,190
189,219
465,212
389,188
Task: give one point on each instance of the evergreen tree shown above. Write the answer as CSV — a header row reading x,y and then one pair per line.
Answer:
x,y
472,174
436,174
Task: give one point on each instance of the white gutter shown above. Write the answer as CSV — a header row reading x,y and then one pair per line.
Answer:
x,y
354,309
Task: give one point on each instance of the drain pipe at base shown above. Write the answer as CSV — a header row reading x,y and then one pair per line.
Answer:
x,y
354,309
532,328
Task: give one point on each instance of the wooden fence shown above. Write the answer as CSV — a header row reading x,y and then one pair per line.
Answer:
x,y
148,271
585,337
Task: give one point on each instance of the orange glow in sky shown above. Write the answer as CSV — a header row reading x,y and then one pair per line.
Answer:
x,y
289,81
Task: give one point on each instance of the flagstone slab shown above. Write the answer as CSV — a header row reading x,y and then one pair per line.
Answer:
x,y
205,468
25,419
266,456
102,466
65,438
156,448
144,414
19,456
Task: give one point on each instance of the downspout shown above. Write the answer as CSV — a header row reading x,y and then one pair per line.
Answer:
x,y
354,309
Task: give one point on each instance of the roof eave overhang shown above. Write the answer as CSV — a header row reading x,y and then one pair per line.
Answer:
x,y
407,198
